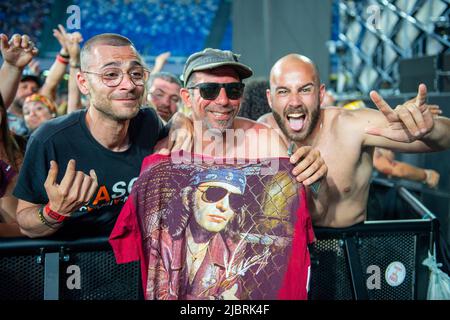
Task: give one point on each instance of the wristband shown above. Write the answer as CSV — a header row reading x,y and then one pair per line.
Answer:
x,y
64,55
53,214
61,59
42,218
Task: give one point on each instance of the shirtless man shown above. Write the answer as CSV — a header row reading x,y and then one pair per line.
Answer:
x,y
346,139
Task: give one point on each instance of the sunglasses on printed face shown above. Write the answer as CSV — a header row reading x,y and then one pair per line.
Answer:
x,y
211,90
215,194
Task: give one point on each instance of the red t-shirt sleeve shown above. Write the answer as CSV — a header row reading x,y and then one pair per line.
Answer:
x,y
310,236
295,281
125,237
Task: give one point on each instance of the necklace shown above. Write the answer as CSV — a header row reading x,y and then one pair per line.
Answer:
x,y
199,252
194,260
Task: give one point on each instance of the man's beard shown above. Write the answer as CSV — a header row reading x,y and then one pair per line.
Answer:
x,y
220,126
105,107
313,118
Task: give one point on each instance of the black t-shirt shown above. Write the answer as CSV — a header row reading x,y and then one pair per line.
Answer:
x,y
68,138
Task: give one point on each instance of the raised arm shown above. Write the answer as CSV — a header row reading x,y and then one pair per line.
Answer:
x,y
409,127
58,68
73,41
17,53
160,61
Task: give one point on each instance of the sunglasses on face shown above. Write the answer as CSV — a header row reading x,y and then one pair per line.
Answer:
x,y
211,90
215,194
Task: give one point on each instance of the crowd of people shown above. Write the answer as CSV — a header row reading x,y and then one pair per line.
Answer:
x,y
25,17
179,26
69,171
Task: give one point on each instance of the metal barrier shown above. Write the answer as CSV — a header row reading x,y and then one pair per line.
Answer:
x,y
354,263
83,269
366,261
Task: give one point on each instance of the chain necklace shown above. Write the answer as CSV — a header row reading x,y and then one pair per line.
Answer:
x,y
199,252
195,259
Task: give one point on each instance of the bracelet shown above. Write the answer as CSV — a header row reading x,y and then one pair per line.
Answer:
x,y
42,218
75,65
53,214
64,55
62,59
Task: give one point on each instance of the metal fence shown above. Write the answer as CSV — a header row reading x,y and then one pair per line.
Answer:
x,y
360,262
371,37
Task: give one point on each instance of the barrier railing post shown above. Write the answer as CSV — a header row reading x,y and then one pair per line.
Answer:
x,y
51,276
354,262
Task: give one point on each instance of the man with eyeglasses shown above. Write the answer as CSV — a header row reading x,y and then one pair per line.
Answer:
x,y
164,94
79,169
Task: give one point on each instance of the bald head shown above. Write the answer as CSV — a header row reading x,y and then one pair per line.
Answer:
x,y
291,62
104,39
295,96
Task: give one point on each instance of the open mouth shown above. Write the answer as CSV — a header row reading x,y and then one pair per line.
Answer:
x,y
296,121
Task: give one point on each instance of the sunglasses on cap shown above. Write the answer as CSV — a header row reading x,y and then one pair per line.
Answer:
x,y
215,194
211,90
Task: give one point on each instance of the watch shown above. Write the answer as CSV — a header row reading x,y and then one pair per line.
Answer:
x,y
75,65
53,214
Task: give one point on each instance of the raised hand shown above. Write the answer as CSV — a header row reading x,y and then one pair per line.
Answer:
x,y
160,61
73,41
18,51
162,58
310,166
74,191
408,122
435,110
59,34
34,67
70,42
